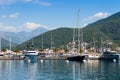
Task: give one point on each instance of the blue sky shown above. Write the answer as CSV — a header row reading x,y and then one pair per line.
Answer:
x,y
27,15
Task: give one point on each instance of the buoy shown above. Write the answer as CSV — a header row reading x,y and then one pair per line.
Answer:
x,y
84,60
41,60
28,60
114,60
67,61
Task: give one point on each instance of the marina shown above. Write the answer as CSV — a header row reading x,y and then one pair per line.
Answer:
x,y
46,40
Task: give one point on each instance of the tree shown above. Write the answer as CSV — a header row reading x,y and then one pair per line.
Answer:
x,y
16,51
41,50
55,50
4,50
66,51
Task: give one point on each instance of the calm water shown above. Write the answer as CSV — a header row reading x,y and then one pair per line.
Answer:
x,y
59,70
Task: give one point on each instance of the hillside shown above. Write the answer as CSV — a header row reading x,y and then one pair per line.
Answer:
x,y
6,44
108,29
60,37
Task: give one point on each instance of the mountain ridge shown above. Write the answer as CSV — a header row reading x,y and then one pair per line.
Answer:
x,y
107,28
20,37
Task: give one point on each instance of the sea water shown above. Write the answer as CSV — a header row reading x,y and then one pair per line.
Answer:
x,y
59,70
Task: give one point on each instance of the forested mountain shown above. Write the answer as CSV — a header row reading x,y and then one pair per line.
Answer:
x,y
108,29
60,37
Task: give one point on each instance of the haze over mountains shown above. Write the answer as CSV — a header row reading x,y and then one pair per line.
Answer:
x,y
20,37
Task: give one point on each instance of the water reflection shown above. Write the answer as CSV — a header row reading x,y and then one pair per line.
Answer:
x,y
59,70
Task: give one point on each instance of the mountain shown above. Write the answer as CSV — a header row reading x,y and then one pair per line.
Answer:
x,y
6,44
58,36
108,29
20,37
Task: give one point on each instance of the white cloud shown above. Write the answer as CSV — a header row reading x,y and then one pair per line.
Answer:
x,y
31,25
99,15
7,28
95,17
7,2
28,26
43,3
27,0
14,15
10,2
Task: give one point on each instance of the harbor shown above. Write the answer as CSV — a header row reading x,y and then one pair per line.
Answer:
x,y
58,56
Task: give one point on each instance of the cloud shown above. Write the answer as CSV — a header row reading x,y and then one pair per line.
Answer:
x,y
7,28
7,2
27,0
43,3
14,15
28,26
99,15
31,25
95,17
10,2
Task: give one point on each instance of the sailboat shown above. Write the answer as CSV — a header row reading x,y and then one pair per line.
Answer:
x,y
77,56
31,54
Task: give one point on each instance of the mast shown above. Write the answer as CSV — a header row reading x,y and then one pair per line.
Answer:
x,y
10,44
51,39
94,45
78,33
101,43
42,41
73,43
0,43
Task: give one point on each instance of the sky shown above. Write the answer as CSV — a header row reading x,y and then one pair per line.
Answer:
x,y
27,15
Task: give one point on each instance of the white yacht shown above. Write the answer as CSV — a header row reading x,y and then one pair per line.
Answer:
x,y
31,55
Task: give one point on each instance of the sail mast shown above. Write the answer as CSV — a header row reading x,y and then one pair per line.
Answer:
x,y
101,42
10,44
0,43
42,41
51,39
73,43
79,42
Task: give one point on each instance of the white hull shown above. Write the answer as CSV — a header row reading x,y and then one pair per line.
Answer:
x,y
31,52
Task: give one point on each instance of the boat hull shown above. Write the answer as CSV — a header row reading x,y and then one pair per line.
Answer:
x,y
109,57
32,58
76,58
31,55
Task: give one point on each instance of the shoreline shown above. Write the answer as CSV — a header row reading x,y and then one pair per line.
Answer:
x,y
39,58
